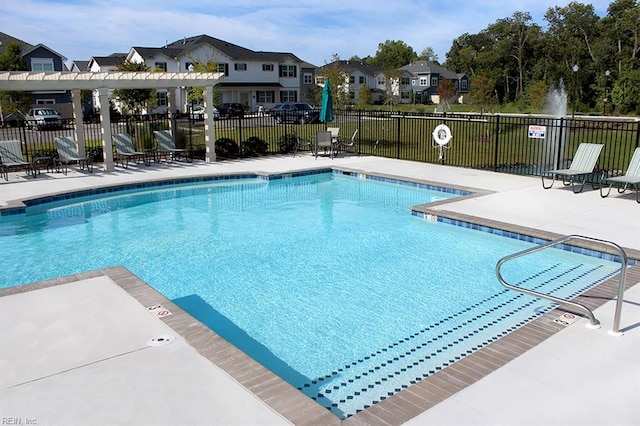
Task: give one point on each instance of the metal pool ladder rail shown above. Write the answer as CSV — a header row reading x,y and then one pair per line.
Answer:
x,y
593,322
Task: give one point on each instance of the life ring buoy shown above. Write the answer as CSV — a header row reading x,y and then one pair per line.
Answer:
x,y
442,134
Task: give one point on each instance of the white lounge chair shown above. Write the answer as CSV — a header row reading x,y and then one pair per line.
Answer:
x,y
582,165
630,179
68,153
125,150
166,147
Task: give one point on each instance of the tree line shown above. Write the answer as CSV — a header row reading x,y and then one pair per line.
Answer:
x,y
516,61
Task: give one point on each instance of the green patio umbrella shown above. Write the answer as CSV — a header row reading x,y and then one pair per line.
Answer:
x,y
326,111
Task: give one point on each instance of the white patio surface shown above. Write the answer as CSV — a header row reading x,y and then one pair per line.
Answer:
x,y
578,376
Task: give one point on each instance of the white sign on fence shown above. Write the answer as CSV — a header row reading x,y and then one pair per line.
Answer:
x,y
537,132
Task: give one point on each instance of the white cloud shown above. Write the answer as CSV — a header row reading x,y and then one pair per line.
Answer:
x,y
312,30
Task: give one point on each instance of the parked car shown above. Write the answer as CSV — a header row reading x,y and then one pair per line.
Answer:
x,y
229,110
300,113
197,113
43,118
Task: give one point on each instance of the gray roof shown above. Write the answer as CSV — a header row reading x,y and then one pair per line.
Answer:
x,y
351,66
182,47
6,39
426,67
81,65
111,60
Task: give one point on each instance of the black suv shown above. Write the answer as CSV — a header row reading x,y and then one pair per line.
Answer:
x,y
229,110
300,113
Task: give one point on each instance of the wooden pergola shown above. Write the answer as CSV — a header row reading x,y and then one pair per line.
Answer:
x,y
106,81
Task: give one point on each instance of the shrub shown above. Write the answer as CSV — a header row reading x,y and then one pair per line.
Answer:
x,y
254,146
227,148
287,143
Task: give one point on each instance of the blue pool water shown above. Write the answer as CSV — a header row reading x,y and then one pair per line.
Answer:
x,y
328,280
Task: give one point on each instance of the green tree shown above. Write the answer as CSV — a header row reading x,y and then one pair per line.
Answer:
x,y
10,101
626,92
537,93
393,54
365,96
339,78
196,94
428,54
482,92
134,100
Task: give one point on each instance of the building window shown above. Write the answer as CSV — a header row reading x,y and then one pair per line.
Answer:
x,y
352,79
352,94
288,96
434,81
380,80
162,66
320,80
464,84
267,67
223,68
405,95
265,96
162,99
423,81
406,81
41,64
307,78
240,67
362,79
187,65
45,101
288,71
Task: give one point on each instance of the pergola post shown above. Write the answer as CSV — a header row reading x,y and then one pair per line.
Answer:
x,y
171,105
209,131
105,119
78,120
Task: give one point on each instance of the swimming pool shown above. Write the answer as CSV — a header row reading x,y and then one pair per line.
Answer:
x,y
328,280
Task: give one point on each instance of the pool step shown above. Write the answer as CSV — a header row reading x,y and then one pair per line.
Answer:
x,y
380,374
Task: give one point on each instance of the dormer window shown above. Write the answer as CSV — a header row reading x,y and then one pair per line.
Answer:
x,y
41,64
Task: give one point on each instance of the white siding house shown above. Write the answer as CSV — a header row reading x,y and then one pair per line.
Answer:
x,y
251,78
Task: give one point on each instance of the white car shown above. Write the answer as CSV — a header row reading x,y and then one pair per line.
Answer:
x,y
197,113
42,118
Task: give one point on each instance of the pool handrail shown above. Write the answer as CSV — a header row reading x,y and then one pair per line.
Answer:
x,y
593,322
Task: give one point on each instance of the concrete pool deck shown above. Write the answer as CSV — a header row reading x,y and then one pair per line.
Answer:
x,y
75,356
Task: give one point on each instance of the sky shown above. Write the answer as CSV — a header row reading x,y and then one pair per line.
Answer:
x,y
312,30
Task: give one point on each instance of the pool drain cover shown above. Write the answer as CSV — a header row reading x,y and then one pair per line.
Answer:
x,y
160,340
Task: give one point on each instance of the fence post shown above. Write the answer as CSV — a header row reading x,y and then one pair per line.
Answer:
x,y
560,144
239,136
398,139
359,132
24,138
497,145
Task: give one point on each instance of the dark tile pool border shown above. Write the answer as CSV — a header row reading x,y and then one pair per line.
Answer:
x,y
395,410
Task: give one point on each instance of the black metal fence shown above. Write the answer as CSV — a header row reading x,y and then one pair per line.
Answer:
x,y
519,144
